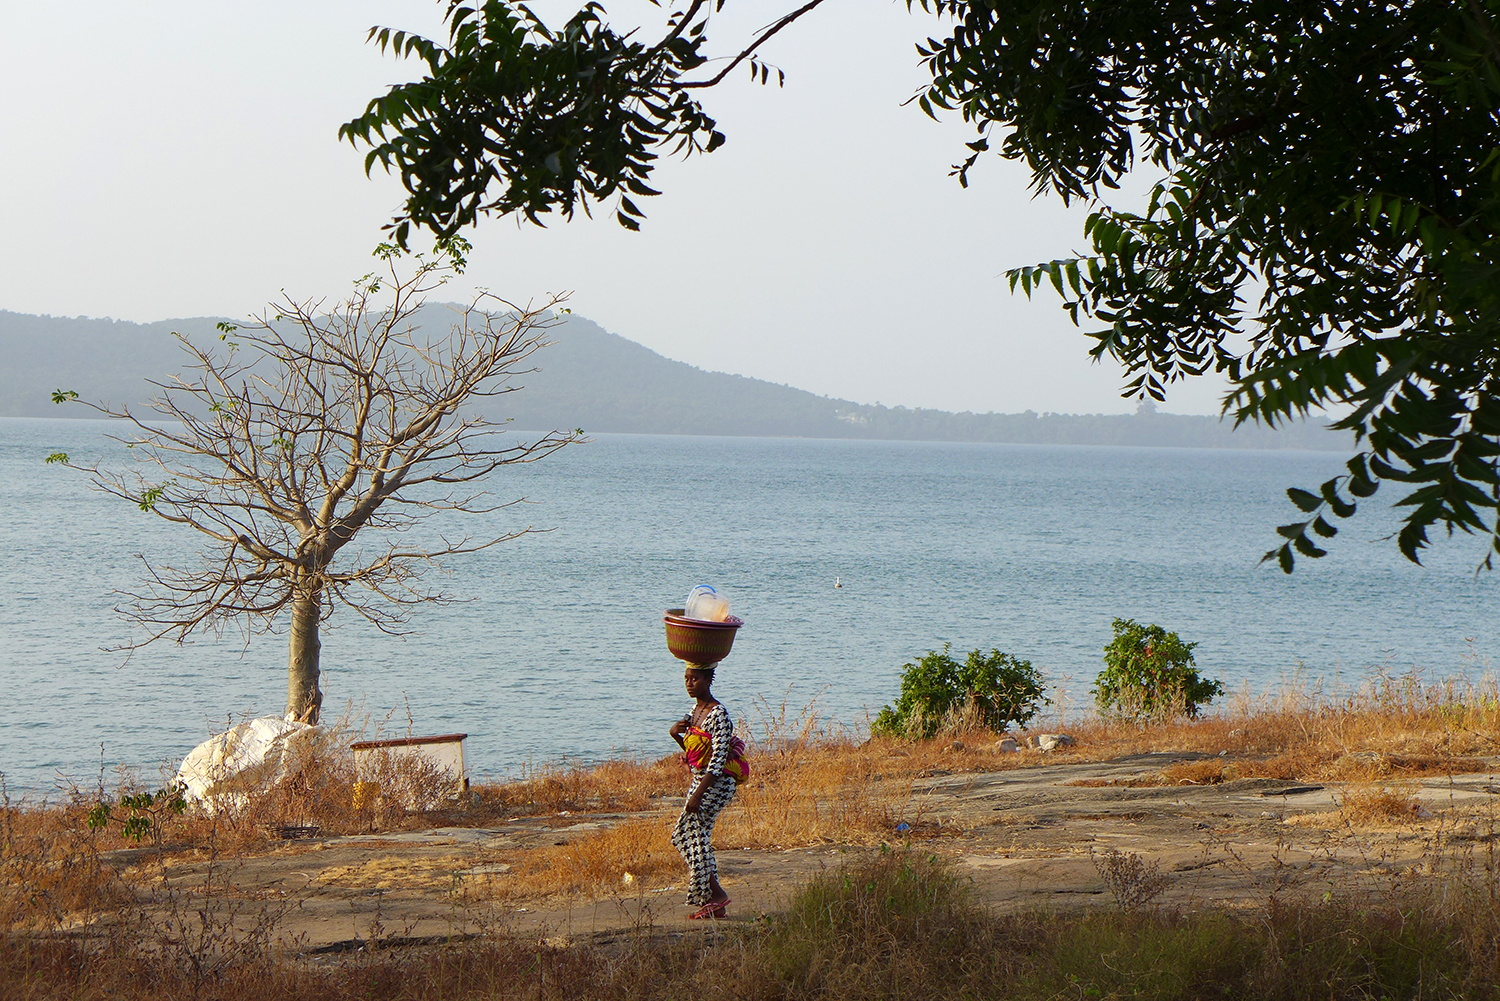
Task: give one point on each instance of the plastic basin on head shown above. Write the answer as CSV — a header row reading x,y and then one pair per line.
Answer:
x,y
702,643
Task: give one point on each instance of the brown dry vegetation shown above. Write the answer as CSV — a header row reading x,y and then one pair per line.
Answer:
x,y
624,786
50,869
1375,804
1392,727
898,925
824,793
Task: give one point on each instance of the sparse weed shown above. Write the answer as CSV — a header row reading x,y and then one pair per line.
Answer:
x,y
597,861
1380,804
51,872
1133,881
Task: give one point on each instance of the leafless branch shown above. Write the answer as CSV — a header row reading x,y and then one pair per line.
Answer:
x,y
309,426
753,47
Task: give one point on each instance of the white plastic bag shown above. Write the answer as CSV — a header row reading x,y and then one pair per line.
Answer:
x,y
225,771
706,604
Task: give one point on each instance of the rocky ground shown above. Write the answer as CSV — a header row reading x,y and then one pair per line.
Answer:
x,y
1041,835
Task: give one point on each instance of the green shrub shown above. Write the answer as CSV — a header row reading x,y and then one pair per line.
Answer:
x,y
996,688
1149,673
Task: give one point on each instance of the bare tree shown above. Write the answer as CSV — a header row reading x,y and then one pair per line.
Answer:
x,y
297,432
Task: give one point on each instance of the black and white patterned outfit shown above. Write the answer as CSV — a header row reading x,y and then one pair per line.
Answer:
x,y
690,836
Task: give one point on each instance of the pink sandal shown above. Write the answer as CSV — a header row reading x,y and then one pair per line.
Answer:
x,y
710,910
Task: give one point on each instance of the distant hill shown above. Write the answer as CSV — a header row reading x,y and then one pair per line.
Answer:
x,y
599,381
102,359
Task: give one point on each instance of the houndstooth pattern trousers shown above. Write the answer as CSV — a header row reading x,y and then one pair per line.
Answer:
x,y
690,837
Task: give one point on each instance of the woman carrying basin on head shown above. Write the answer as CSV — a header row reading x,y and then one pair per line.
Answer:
x,y
716,758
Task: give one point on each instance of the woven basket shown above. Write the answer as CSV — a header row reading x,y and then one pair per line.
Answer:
x,y
701,643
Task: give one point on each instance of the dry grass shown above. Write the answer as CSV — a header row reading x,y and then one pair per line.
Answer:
x,y
1210,772
810,784
1380,804
1390,726
899,925
50,868
820,793
640,849
619,786
1367,805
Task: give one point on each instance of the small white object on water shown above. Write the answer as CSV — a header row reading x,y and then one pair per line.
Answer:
x,y
838,582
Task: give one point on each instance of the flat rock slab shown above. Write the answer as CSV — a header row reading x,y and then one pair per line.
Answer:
x,y
438,835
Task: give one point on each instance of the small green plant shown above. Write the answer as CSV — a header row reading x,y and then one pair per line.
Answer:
x,y
996,688
1149,673
140,814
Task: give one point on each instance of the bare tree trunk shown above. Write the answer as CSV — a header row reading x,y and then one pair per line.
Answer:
x,y
303,697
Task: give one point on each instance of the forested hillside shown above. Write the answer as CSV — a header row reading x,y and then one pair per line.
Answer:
x,y
601,382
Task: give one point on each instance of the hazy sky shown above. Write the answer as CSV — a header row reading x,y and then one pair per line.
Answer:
x,y
167,159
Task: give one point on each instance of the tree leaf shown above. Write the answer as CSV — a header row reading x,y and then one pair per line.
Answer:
x,y
1305,546
1304,500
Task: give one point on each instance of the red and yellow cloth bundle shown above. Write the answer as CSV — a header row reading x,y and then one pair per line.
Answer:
x,y
699,745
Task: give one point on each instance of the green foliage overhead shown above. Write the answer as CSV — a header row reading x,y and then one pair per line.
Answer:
x,y
512,116
1149,673
996,687
1324,235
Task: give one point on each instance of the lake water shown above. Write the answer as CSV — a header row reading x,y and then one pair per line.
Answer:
x,y
555,648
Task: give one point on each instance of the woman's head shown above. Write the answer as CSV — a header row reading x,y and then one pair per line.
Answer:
x,y
698,680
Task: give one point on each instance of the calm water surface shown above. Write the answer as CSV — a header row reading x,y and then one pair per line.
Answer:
x,y
554,648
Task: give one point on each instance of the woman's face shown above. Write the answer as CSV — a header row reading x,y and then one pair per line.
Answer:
x,y
697,682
